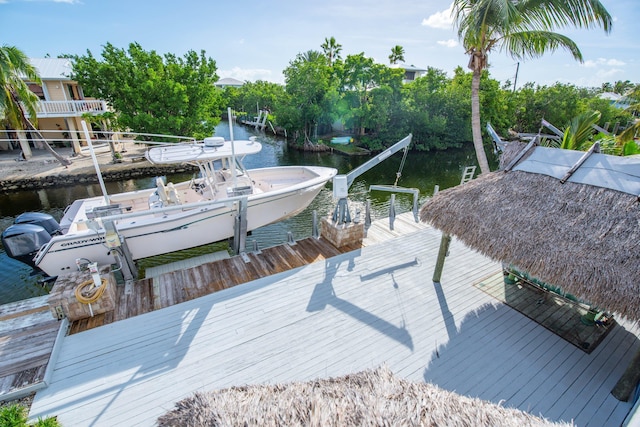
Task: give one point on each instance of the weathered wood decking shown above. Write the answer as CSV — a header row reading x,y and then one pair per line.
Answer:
x,y
27,336
351,311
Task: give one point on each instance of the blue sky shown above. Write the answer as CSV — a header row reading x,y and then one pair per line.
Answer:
x,y
252,39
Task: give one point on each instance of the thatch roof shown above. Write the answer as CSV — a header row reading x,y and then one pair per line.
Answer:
x,y
581,237
370,398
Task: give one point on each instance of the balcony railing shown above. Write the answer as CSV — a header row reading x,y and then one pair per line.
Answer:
x,y
70,108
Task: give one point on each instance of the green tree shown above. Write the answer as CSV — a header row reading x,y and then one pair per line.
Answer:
x,y
622,87
16,100
154,94
524,29
251,96
309,90
331,49
579,134
358,76
397,54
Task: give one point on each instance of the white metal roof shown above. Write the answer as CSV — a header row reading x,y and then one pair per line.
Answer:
x,y
53,68
600,170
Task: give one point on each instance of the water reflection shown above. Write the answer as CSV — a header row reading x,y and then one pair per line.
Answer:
x,y
422,170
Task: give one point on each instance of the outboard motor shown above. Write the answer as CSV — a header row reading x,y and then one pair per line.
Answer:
x,y
25,237
22,241
44,220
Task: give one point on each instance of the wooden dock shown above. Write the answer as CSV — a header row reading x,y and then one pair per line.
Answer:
x,y
28,331
28,334
352,311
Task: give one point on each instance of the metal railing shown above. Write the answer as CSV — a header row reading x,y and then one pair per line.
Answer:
x,y
70,108
63,138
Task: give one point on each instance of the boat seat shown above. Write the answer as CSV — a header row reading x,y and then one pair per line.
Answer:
x,y
172,194
162,190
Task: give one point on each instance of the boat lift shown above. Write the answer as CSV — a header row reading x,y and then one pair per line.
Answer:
x,y
341,184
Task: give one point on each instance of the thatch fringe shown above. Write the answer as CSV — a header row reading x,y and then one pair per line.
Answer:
x,y
369,398
582,238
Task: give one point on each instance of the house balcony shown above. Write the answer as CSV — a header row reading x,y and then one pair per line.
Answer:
x,y
70,108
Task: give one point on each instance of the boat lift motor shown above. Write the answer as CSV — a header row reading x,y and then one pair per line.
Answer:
x,y
341,183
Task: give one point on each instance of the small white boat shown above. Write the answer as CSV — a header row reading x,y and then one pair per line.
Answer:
x,y
171,216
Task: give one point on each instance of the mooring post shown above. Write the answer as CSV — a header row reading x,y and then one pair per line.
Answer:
x,y
315,233
240,227
367,215
442,253
392,211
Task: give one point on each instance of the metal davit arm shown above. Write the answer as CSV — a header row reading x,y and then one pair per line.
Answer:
x,y
341,183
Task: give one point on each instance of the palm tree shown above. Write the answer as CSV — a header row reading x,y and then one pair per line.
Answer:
x,y
397,54
522,28
310,56
579,134
16,100
331,49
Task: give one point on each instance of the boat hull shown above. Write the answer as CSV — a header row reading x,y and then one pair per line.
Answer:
x,y
158,233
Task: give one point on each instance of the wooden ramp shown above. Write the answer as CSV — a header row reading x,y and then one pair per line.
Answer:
x,y
349,312
28,334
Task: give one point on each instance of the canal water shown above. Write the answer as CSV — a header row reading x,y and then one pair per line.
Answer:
x,y
421,170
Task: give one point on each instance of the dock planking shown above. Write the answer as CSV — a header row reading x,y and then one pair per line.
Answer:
x,y
350,312
27,336
28,331
175,287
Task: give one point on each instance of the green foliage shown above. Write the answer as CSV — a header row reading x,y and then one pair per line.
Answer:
x,y
15,94
397,54
13,416
579,134
16,416
253,96
154,94
309,85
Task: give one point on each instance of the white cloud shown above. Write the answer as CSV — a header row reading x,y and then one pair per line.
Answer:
x,y
439,19
448,43
600,62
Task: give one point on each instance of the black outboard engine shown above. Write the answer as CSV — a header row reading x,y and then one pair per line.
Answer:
x,y
25,237
44,220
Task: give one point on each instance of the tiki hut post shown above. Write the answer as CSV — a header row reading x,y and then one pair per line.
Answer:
x,y
442,253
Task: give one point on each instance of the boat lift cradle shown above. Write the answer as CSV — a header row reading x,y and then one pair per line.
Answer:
x,y
341,183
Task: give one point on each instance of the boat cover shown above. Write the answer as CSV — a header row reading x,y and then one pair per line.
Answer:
x,y
199,152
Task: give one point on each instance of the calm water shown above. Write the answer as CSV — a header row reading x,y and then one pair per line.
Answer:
x,y
422,171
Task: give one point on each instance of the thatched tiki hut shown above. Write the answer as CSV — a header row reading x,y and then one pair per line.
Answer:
x,y
579,231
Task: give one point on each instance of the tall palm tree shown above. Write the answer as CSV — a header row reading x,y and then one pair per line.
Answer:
x,y
397,54
16,100
331,49
522,28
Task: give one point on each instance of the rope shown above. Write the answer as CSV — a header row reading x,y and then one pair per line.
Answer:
x,y
399,173
89,296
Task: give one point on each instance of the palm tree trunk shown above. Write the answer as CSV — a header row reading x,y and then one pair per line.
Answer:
x,y
30,127
476,129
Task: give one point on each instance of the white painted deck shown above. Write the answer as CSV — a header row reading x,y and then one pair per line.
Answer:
x,y
355,311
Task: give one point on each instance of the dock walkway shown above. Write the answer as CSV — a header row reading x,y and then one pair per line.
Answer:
x,y
28,331
347,312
